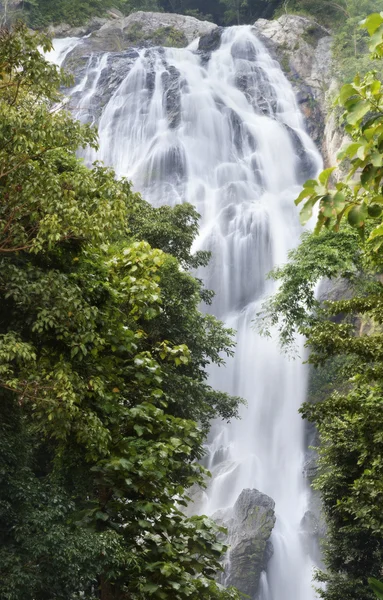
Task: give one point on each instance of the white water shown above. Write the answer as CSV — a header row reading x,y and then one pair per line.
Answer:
x,y
184,130
61,49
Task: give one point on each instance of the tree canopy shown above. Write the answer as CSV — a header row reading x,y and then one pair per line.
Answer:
x,y
103,356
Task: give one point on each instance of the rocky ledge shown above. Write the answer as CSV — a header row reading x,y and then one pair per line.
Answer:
x,y
140,29
249,524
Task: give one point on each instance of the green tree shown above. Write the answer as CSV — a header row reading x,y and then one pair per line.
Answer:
x,y
102,353
345,337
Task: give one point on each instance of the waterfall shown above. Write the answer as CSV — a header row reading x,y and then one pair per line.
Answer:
x,y
224,132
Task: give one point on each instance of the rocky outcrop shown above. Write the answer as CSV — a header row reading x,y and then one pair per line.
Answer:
x,y
298,37
303,48
249,524
210,41
143,29
121,36
66,30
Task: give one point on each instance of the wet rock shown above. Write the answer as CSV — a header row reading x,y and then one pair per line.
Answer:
x,y
310,523
257,89
313,529
116,69
249,524
211,41
310,466
243,50
236,128
307,163
172,96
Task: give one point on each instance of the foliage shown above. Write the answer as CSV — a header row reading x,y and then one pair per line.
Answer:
x,y
345,342
169,36
328,255
377,586
359,199
103,356
342,18
40,13
344,334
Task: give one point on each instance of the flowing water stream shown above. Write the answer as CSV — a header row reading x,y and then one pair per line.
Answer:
x,y
224,133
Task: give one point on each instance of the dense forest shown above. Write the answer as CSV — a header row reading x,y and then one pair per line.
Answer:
x,y
103,352
105,402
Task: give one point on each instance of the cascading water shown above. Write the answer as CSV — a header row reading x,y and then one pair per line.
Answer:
x,y
225,133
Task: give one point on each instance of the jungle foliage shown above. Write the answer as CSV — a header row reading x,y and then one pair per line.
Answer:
x,y
345,333
103,356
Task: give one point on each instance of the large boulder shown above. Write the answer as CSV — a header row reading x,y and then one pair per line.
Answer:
x,y
210,41
249,524
64,30
146,29
138,30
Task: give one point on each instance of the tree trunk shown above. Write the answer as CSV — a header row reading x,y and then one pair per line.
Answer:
x,y
107,590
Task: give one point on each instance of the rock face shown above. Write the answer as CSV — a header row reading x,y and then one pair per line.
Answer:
x,y
303,48
66,30
210,41
298,37
190,27
141,29
249,524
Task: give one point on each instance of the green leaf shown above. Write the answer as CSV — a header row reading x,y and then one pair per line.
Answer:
x,y
349,150
310,183
368,174
325,175
339,202
347,92
376,586
377,232
357,215
150,587
357,112
306,212
372,22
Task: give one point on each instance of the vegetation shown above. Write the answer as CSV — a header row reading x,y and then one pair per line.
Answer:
x,y
342,18
345,335
103,356
40,13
